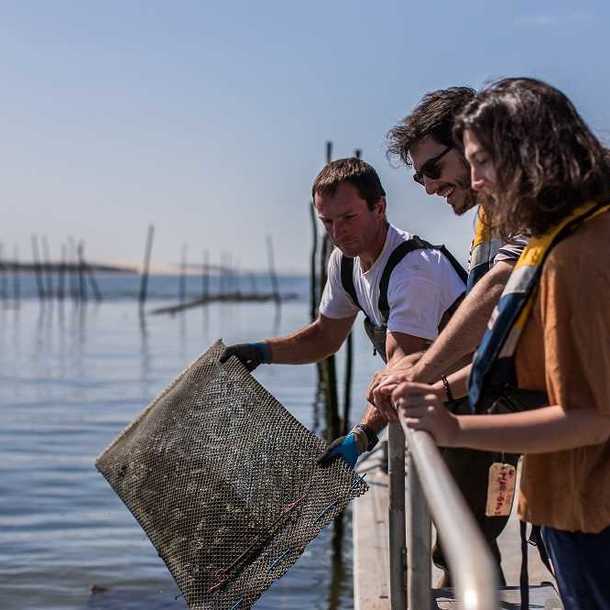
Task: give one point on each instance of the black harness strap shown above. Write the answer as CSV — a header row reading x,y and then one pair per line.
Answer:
x,y
454,263
523,576
347,279
535,539
415,243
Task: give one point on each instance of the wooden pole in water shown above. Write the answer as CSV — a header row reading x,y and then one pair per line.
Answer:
x,y
333,425
82,286
3,278
205,276
237,282
61,274
273,277
220,276
229,275
146,266
182,283
92,282
313,292
37,270
46,255
16,276
349,364
73,266
223,273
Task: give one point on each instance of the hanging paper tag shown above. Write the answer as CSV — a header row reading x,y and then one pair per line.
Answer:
x,y
500,489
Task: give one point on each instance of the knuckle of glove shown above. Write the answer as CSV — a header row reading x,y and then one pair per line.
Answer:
x,y
333,451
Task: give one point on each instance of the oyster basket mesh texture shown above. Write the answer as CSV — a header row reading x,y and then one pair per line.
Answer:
x,y
224,482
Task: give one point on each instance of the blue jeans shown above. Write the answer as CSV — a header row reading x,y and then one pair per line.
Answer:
x,y
582,567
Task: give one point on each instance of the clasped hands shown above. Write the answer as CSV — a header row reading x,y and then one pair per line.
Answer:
x,y
419,405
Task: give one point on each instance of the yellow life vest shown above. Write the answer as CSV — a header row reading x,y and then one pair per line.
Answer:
x,y
493,372
482,251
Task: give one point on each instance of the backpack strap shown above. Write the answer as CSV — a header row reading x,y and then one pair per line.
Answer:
x,y
347,279
454,263
415,243
535,539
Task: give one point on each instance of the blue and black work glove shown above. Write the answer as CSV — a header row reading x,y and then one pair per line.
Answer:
x,y
249,354
349,447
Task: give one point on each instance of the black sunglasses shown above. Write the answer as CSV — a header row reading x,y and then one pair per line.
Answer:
x,y
430,168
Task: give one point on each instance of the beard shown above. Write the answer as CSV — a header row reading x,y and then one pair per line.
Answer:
x,y
469,197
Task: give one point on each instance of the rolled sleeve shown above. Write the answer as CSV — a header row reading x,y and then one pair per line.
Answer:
x,y
335,302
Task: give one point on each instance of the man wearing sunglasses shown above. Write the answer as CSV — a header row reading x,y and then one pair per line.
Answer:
x,y
424,141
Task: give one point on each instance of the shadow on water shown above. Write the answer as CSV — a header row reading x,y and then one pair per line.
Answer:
x,y
125,599
318,401
338,574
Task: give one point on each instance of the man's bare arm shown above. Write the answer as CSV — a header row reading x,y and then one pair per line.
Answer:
x,y
453,348
311,343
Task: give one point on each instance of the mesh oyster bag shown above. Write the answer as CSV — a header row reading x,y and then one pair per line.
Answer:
x,y
224,482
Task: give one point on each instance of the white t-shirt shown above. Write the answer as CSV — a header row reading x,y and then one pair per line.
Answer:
x,y
422,287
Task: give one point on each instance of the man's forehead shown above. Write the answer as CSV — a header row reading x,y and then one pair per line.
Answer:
x,y
344,194
424,149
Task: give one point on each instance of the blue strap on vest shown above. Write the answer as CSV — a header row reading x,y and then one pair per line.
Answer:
x,y
493,380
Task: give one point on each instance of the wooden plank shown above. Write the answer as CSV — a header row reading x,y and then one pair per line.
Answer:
x,y
542,593
370,531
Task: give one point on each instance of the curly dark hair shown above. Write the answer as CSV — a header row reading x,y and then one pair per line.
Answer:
x,y
433,116
356,172
546,158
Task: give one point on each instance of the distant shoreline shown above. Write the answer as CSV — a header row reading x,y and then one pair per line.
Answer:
x,y
59,267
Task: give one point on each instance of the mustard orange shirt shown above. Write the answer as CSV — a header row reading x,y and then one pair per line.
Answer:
x,y
565,350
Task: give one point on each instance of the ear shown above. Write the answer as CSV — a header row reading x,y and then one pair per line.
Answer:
x,y
381,206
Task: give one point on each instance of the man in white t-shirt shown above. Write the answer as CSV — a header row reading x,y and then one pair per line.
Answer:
x,y
422,286
402,284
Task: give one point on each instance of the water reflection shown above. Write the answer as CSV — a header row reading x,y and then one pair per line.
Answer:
x,y
337,574
318,403
74,376
131,600
183,337
145,359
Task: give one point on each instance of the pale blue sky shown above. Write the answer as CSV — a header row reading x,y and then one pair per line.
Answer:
x,y
209,118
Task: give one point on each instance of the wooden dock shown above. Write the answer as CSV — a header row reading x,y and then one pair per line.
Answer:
x,y
370,539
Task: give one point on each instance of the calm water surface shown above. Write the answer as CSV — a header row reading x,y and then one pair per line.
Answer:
x,y
71,378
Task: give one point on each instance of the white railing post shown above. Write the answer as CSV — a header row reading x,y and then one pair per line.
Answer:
x,y
471,563
419,530
396,517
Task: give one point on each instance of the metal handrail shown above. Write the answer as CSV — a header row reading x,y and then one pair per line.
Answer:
x,y
433,492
